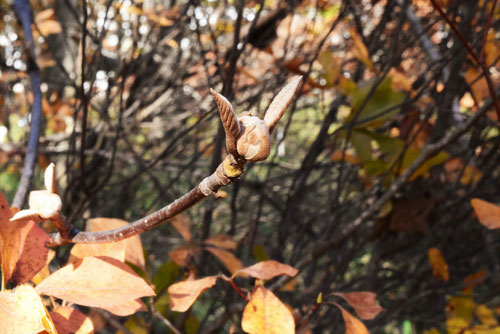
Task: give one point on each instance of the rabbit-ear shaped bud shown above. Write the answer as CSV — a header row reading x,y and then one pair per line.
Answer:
x,y
229,120
280,103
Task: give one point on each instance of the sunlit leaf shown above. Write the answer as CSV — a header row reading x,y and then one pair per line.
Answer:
x,y
69,320
438,264
266,270
265,313
487,213
363,302
95,281
22,311
184,294
23,252
486,316
127,308
478,84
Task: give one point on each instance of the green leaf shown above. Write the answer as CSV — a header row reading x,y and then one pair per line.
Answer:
x,y
260,254
383,104
165,276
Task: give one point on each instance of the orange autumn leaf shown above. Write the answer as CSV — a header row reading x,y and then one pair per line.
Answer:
x,y
363,302
231,262
23,252
22,311
183,255
182,224
266,270
265,313
127,308
352,324
133,245
69,320
183,294
222,241
360,50
438,264
116,250
95,281
487,213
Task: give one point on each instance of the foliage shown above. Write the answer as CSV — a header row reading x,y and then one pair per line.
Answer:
x,y
378,201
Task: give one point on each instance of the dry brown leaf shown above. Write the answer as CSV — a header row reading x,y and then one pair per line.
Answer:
x,y
133,246
182,224
69,320
231,262
363,302
222,241
23,251
127,308
438,264
116,250
478,84
487,213
183,255
268,269
411,215
95,281
281,102
265,313
22,311
352,324
183,294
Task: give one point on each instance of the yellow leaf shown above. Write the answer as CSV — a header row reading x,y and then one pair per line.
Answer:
x,y
22,311
487,213
438,264
265,313
184,294
486,316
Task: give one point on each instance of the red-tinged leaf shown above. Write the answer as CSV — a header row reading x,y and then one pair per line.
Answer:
x,y
182,224
23,251
352,324
127,308
22,311
222,241
363,302
265,313
231,262
69,320
183,294
487,213
268,269
438,264
95,281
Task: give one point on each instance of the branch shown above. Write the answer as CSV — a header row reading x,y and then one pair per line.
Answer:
x,y
23,11
230,169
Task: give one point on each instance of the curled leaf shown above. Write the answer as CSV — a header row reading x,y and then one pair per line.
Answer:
x,y
183,294
280,103
352,324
